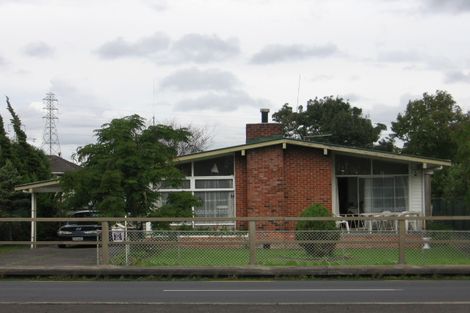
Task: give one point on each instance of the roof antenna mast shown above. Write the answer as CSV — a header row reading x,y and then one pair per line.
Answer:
x,y
298,92
50,138
154,102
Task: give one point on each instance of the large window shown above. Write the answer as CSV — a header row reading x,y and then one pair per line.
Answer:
x,y
371,185
212,181
385,194
215,204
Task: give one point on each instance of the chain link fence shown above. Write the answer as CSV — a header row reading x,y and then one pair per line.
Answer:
x,y
366,246
357,241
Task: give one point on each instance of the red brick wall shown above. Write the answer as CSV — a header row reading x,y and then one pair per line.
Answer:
x,y
272,181
308,177
240,189
254,131
266,184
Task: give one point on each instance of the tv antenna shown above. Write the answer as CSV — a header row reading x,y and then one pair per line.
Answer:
x,y
50,138
298,92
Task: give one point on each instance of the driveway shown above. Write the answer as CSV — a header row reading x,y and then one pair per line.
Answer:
x,y
49,256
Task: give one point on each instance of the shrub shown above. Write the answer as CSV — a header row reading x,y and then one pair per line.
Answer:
x,y
317,230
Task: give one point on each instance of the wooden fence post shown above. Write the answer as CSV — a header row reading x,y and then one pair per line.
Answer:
x,y
401,240
104,243
252,241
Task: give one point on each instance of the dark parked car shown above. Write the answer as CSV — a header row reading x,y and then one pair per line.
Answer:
x,y
79,231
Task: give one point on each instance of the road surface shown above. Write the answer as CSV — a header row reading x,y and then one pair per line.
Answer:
x,y
236,296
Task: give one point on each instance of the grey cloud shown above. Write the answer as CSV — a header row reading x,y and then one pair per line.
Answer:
x,y
148,47
353,97
194,79
282,53
416,58
195,48
384,114
222,102
203,49
157,5
38,49
457,77
399,56
321,78
3,62
439,6
407,97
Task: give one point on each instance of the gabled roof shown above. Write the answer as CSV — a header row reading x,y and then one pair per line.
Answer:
x,y
360,152
60,165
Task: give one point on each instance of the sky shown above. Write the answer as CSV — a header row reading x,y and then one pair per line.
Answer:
x,y
214,63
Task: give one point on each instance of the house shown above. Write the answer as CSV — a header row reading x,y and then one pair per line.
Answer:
x,y
59,166
274,176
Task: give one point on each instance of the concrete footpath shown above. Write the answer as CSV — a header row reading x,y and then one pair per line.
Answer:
x,y
232,272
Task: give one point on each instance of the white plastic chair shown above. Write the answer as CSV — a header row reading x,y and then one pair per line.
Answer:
x,y
341,223
410,222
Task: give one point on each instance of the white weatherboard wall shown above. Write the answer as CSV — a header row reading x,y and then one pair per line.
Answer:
x,y
416,191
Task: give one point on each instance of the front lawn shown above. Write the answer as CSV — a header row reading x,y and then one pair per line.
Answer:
x,y
204,256
9,248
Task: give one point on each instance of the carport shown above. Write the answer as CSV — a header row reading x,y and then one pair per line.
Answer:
x,y
44,186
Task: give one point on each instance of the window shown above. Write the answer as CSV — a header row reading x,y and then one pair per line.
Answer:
x,y
386,194
222,166
371,185
215,204
184,184
213,183
346,165
388,168
185,168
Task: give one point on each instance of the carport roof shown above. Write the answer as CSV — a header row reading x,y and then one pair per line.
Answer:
x,y
51,185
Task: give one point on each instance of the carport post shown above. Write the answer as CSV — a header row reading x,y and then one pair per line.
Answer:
x,y
33,222
104,243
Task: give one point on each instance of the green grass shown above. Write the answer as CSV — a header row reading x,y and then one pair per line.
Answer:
x,y
9,248
198,256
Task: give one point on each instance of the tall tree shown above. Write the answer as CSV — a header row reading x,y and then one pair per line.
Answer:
x,y
123,169
330,119
5,145
19,163
16,122
31,163
435,126
429,124
198,140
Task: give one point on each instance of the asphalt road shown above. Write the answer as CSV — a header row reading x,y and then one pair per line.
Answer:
x,y
235,296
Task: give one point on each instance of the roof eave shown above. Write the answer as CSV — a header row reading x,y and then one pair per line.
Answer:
x,y
433,163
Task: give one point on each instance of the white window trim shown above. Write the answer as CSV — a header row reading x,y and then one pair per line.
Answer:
x,y
192,184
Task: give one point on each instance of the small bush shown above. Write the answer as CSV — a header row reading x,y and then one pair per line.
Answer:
x,y
317,230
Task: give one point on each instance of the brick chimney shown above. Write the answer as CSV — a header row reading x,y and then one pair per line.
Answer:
x,y
264,130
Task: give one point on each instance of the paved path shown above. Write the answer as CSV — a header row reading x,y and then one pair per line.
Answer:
x,y
49,256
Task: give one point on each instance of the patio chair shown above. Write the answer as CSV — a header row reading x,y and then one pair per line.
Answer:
x,y
341,223
387,224
410,222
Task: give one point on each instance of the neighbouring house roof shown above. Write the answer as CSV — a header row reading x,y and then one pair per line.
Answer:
x,y
60,165
360,152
